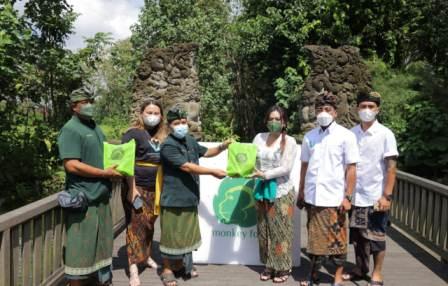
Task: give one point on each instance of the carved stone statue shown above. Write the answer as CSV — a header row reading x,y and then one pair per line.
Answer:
x,y
169,76
340,71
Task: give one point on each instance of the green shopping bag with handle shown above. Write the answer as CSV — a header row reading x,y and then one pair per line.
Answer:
x,y
122,155
241,159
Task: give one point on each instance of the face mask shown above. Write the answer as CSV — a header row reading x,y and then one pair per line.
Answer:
x,y
367,115
274,126
324,119
86,110
180,131
151,120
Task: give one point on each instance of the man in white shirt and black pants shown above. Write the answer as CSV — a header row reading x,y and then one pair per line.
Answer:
x,y
373,193
327,180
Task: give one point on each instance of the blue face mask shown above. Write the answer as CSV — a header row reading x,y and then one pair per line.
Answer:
x,y
180,131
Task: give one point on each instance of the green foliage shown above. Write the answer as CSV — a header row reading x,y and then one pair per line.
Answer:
x,y
36,75
114,128
110,68
288,94
396,88
410,109
425,141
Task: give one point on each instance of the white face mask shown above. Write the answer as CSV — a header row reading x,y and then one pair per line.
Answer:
x,y
367,115
324,119
151,120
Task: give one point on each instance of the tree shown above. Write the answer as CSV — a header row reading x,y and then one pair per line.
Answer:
x,y
37,75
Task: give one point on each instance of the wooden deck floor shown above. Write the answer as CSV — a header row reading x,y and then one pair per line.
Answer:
x,y
406,265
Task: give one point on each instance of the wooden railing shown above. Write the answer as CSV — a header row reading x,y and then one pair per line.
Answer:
x,y
32,240
32,237
420,208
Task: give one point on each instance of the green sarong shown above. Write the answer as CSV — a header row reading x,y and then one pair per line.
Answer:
x,y
89,239
180,233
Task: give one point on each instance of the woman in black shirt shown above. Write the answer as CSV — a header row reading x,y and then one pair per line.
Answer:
x,y
148,131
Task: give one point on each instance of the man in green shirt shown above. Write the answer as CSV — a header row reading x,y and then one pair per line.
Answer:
x,y
180,233
88,249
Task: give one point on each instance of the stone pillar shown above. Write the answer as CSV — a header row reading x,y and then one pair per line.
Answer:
x,y
340,71
169,76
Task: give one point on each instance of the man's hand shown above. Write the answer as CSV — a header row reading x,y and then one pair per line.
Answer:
x,y
218,173
112,173
346,205
383,204
224,145
300,200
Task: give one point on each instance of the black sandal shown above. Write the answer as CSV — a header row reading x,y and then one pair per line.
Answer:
x,y
353,276
181,273
376,283
281,276
313,279
267,274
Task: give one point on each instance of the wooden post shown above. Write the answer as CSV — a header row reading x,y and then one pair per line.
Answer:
x,y
444,227
16,258
37,251
5,258
423,220
48,237
57,242
429,216
27,254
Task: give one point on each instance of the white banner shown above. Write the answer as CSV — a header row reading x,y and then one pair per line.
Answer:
x,y
231,200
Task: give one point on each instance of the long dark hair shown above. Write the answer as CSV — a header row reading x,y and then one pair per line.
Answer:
x,y
284,120
161,128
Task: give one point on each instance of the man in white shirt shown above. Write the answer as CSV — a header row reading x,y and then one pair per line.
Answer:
x,y
327,180
373,192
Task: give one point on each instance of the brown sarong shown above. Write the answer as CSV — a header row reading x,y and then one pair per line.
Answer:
x,y
140,225
327,231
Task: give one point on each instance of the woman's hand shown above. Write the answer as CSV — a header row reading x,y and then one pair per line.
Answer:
x,y
258,174
135,194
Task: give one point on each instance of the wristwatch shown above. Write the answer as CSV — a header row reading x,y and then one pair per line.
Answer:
x,y
349,197
389,197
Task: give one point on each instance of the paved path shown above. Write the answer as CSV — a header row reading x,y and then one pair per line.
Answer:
x,y
406,265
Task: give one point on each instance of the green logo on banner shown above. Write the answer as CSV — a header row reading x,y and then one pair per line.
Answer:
x,y
234,203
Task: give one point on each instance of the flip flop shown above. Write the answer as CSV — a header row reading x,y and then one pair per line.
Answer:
x,y
375,283
168,279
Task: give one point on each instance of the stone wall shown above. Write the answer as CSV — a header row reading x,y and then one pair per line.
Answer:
x,y
169,76
340,71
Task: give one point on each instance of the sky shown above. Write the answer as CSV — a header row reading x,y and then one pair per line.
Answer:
x,y
114,16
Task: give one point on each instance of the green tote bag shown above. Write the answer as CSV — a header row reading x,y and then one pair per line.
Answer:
x,y
122,155
241,159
